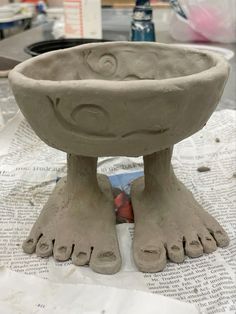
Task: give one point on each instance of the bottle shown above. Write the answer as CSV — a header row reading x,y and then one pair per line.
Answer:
x,y
41,10
142,27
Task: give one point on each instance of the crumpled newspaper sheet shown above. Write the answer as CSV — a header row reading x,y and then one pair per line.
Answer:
x,y
30,294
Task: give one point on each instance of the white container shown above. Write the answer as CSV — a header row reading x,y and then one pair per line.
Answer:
x,y
55,13
6,12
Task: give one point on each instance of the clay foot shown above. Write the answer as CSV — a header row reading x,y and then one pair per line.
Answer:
x,y
169,223
78,222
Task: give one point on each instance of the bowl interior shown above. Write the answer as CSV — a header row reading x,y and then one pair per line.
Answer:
x,y
119,62
40,47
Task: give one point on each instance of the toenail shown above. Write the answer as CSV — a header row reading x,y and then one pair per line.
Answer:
x,y
219,232
44,246
150,251
195,243
175,248
30,241
107,256
62,249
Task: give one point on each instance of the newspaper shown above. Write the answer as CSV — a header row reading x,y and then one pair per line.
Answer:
x,y
80,298
29,170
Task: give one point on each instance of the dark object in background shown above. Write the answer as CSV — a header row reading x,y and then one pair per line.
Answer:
x,y
142,2
55,44
177,8
142,27
7,64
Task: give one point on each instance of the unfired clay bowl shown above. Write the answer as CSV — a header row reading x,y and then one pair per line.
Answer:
x,y
118,98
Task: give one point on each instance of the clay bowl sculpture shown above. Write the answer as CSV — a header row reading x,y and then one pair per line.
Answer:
x,y
126,99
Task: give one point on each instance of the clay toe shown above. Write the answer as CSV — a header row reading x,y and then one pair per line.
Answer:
x,y
106,261
62,252
81,255
150,258
30,243
221,237
44,247
193,247
208,243
216,230
175,251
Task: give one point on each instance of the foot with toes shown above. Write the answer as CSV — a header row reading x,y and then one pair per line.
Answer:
x,y
78,221
169,223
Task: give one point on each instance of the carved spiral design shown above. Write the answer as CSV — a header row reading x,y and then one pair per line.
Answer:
x,y
107,65
91,119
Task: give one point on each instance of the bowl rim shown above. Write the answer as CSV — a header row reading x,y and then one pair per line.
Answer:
x,y
220,67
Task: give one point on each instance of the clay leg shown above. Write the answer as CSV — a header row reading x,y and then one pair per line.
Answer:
x,y
168,220
78,220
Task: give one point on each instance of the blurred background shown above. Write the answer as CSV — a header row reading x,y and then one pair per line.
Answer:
x,y
183,21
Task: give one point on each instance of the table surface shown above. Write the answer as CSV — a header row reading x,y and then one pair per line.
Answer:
x,y
13,47
16,17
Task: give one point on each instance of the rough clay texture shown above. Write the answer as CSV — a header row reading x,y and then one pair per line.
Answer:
x,y
127,99
116,99
78,220
168,220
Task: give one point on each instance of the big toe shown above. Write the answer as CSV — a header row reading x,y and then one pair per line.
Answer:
x,y
105,261
150,258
